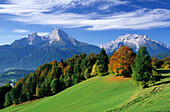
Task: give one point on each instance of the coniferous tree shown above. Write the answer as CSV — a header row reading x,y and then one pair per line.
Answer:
x,y
142,68
102,63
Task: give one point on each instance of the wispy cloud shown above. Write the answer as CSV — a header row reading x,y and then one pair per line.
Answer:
x,y
148,0
43,33
32,12
21,31
159,1
29,6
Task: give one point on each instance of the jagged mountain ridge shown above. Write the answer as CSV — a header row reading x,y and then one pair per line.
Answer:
x,y
34,50
135,41
57,36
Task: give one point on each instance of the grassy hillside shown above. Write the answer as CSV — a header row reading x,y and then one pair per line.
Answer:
x,y
106,93
154,98
96,94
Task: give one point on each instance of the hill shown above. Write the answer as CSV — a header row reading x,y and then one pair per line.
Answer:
x,y
135,41
106,93
34,50
161,55
96,94
155,98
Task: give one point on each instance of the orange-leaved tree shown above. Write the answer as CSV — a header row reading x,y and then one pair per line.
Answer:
x,y
121,61
154,62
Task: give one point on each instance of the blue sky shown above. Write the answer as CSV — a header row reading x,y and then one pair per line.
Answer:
x,y
90,21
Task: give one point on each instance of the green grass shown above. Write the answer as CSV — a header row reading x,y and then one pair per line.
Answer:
x,y
100,94
93,95
155,98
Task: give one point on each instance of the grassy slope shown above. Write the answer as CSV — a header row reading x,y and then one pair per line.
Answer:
x,y
154,98
94,95
103,93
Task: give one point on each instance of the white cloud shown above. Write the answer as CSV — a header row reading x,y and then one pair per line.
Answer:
x,y
104,7
28,6
12,36
31,12
4,44
140,19
148,0
159,1
21,31
43,33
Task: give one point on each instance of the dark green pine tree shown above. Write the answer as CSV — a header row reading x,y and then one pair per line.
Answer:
x,y
103,61
142,68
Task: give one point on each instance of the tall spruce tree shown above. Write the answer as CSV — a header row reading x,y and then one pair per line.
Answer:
x,y
142,68
102,63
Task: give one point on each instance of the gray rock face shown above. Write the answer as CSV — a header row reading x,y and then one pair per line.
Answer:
x,y
135,41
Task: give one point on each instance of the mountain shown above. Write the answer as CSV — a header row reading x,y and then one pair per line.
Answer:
x,y
13,75
161,55
135,41
34,50
57,38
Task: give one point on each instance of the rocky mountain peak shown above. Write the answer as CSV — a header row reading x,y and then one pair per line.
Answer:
x,y
32,36
57,34
135,41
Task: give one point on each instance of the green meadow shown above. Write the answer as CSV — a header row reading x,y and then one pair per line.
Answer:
x,y
107,93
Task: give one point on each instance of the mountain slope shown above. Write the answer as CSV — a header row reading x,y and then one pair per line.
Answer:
x,y
135,41
44,55
35,50
11,56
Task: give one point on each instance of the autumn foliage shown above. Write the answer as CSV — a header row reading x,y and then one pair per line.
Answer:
x,y
121,61
166,62
18,82
154,62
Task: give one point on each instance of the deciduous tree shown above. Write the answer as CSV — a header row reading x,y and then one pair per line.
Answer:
x,y
121,61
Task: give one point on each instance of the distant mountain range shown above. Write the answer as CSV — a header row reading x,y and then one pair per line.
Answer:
x,y
35,50
135,41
